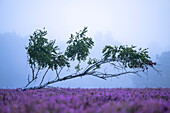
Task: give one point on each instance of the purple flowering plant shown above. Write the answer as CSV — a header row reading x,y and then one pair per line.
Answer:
x,y
117,100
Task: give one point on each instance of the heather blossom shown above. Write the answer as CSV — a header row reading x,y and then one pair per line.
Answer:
x,y
69,100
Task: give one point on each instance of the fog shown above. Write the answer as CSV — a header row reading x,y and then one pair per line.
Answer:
x,y
15,68
142,23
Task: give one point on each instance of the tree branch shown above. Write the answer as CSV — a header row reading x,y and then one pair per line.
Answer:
x,y
58,73
37,72
88,71
31,81
115,75
32,72
28,78
33,77
102,61
105,76
44,76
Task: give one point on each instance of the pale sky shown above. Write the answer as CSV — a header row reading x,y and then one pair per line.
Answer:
x,y
139,22
145,23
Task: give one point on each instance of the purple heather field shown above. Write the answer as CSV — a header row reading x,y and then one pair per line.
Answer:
x,y
69,100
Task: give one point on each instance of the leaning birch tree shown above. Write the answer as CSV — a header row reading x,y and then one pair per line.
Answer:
x,y
44,55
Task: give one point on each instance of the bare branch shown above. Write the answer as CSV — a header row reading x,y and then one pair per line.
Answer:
x,y
93,73
28,78
44,76
118,67
105,75
96,75
33,77
32,72
37,72
115,75
138,74
157,71
30,82
58,73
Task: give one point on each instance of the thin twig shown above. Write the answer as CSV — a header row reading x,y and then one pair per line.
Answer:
x,y
58,73
28,78
31,81
44,76
33,71
37,72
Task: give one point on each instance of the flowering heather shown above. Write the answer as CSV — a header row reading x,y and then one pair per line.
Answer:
x,y
67,100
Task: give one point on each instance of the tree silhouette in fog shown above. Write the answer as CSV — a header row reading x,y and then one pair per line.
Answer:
x,y
44,54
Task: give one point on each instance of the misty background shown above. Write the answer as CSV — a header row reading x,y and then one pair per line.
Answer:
x,y
142,23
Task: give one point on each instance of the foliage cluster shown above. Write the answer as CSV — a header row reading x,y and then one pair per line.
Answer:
x,y
128,56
